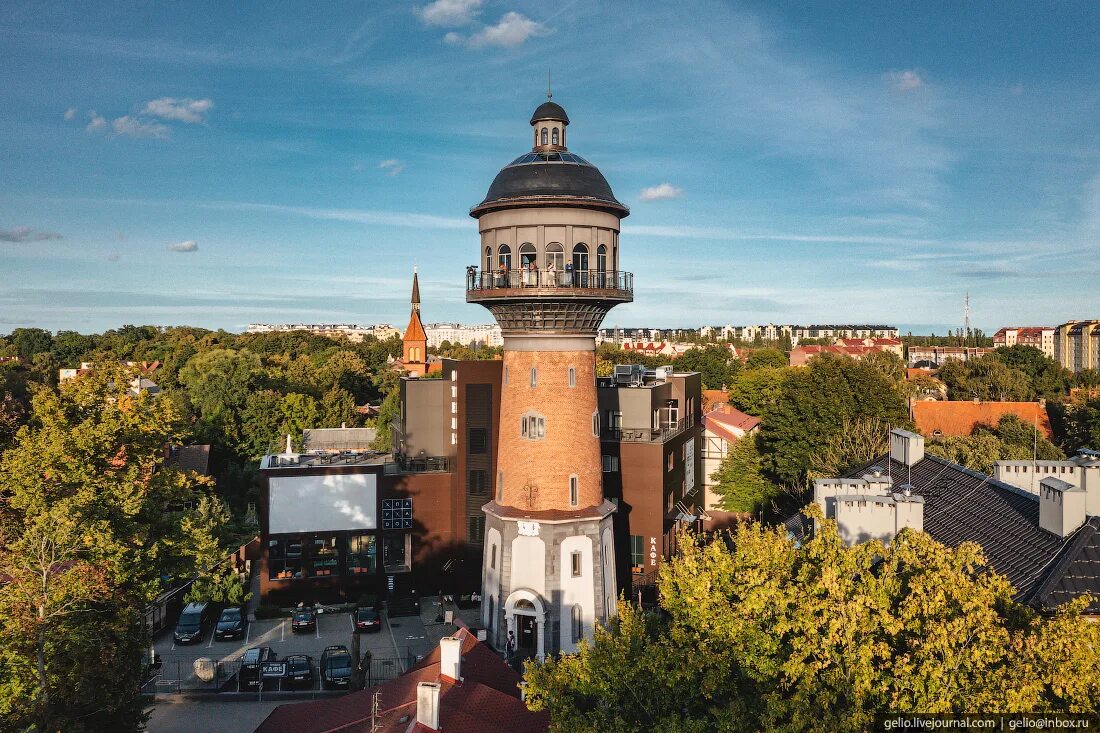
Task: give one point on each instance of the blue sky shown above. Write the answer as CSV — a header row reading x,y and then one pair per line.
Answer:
x,y
223,163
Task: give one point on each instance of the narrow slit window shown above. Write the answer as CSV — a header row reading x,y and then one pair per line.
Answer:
x,y
573,491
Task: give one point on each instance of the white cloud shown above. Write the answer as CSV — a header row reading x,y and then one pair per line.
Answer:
x,y
512,30
70,114
906,81
357,216
661,192
449,12
95,122
128,126
26,234
191,111
189,245
393,166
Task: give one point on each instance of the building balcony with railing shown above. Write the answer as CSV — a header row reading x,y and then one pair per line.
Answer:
x,y
665,431
566,283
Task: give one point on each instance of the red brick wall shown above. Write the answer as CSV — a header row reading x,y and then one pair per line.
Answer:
x,y
569,446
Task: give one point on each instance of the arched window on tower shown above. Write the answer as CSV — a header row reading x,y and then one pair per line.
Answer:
x,y
580,264
544,134
555,136
555,255
488,259
601,265
504,257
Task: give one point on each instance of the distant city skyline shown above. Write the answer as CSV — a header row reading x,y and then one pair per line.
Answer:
x,y
216,165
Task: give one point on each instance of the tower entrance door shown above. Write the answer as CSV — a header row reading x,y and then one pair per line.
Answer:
x,y
527,640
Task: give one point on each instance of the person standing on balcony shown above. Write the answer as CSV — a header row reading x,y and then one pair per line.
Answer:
x,y
502,276
568,274
551,274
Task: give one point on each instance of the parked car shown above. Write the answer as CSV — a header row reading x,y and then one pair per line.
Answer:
x,y
299,672
231,624
192,623
366,619
249,675
304,620
336,667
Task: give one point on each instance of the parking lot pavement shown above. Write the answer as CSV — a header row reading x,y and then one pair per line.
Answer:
x,y
178,660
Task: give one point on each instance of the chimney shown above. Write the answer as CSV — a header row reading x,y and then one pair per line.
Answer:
x,y
1061,506
450,658
427,705
905,447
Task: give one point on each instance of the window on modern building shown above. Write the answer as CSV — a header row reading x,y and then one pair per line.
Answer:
x,y
500,486
596,423
477,482
610,464
362,553
577,617
555,136
284,559
572,377
534,377
477,441
545,134
324,557
475,528
614,420
637,552
575,564
573,491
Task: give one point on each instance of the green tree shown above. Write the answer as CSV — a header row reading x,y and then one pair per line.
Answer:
x,y
716,364
858,442
815,401
766,358
261,424
387,413
218,383
29,342
977,452
890,364
90,467
337,408
299,411
755,633
758,391
740,480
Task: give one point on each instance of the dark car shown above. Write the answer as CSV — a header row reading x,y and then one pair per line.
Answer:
x,y
192,623
249,676
304,620
230,624
336,667
299,672
366,619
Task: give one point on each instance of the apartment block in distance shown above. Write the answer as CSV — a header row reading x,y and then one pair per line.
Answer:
x,y
1077,345
1041,337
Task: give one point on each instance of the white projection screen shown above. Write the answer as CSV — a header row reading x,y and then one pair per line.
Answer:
x,y
329,503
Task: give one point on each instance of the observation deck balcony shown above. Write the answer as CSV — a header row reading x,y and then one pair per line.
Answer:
x,y
603,285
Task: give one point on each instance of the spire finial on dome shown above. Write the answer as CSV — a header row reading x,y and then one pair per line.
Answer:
x,y
549,93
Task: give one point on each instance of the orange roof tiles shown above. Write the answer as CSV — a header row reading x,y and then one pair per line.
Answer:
x,y
959,418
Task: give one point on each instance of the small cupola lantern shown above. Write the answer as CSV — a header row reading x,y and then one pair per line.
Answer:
x,y
549,122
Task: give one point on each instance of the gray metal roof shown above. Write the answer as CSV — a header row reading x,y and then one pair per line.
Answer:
x,y
549,111
552,175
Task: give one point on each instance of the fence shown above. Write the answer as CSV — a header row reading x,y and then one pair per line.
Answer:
x,y
181,673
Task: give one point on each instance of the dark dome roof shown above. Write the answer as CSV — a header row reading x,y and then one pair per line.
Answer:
x,y
557,174
550,111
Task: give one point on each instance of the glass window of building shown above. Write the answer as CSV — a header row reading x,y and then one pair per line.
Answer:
x,y
555,136
572,377
545,134
573,491
475,528
575,564
504,257
596,423
532,426
477,440
577,618
637,552
610,464
324,557
477,482
614,420
284,559
362,553
555,255
534,377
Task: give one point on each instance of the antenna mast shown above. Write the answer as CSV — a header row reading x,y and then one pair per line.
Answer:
x,y
966,317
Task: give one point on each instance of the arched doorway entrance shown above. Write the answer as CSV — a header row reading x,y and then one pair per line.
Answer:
x,y
525,614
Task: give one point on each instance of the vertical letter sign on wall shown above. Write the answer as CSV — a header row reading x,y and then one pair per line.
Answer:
x,y
652,550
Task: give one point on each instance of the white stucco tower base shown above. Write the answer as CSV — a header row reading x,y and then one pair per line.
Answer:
x,y
549,582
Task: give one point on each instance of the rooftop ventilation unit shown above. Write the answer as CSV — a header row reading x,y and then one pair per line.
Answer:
x,y
629,374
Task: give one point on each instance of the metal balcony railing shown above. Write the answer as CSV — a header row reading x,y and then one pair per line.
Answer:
x,y
478,281
649,435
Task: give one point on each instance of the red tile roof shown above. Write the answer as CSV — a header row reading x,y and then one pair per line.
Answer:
x,y
486,701
935,418
726,420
